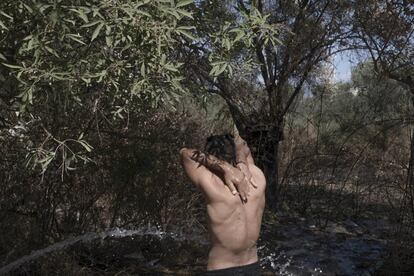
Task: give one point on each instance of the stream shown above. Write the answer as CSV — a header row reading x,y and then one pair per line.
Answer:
x,y
294,247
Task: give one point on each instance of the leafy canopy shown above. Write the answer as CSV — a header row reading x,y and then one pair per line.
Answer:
x,y
109,54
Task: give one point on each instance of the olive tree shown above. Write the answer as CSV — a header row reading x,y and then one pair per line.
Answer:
x,y
101,59
261,60
385,30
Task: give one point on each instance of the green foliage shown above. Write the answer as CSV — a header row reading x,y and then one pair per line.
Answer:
x,y
390,48
120,53
122,45
368,109
236,36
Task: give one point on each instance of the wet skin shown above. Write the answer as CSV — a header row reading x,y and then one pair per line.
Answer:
x,y
234,225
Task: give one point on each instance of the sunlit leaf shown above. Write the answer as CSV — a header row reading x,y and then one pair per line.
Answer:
x,y
75,38
143,69
221,69
185,13
50,50
96,32
171,67
29,9
2,25
183,3
239,35
85,145
91,24
143,13
185,33
12,66
6,15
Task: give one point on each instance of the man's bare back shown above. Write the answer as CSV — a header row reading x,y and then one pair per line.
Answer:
x,y
234,224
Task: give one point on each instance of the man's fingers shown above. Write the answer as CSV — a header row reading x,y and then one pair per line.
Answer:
x,y
232,188
247,181
253,183
244,189
249,178
243,197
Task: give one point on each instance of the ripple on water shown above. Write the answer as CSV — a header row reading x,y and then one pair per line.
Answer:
x,y
294,249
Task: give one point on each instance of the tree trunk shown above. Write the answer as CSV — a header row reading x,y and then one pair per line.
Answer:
x,y
271,170
410,173
410,177
264,141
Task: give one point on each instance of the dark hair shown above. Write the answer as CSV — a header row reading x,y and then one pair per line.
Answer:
x,y
222,146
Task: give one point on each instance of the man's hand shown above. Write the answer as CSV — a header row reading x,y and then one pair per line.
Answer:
x,y
237,183
245,170
233,177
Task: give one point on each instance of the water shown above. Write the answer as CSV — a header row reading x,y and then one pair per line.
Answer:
x,y
288,249
88,237
346,248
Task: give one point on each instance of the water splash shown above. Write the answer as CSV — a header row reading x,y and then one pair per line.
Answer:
x,y
88,237
294,249
343,248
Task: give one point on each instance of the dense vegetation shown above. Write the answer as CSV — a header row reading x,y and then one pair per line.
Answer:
x,y
97,97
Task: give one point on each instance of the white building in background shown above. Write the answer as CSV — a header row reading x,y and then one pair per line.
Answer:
x,y
354,91
328,72
327,75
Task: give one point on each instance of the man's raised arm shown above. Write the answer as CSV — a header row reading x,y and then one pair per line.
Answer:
x,y
193,159
244,158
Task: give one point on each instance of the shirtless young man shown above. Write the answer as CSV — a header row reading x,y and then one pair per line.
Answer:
x,y
234,189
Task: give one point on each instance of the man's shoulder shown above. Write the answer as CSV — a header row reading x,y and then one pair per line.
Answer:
x,y
257,174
